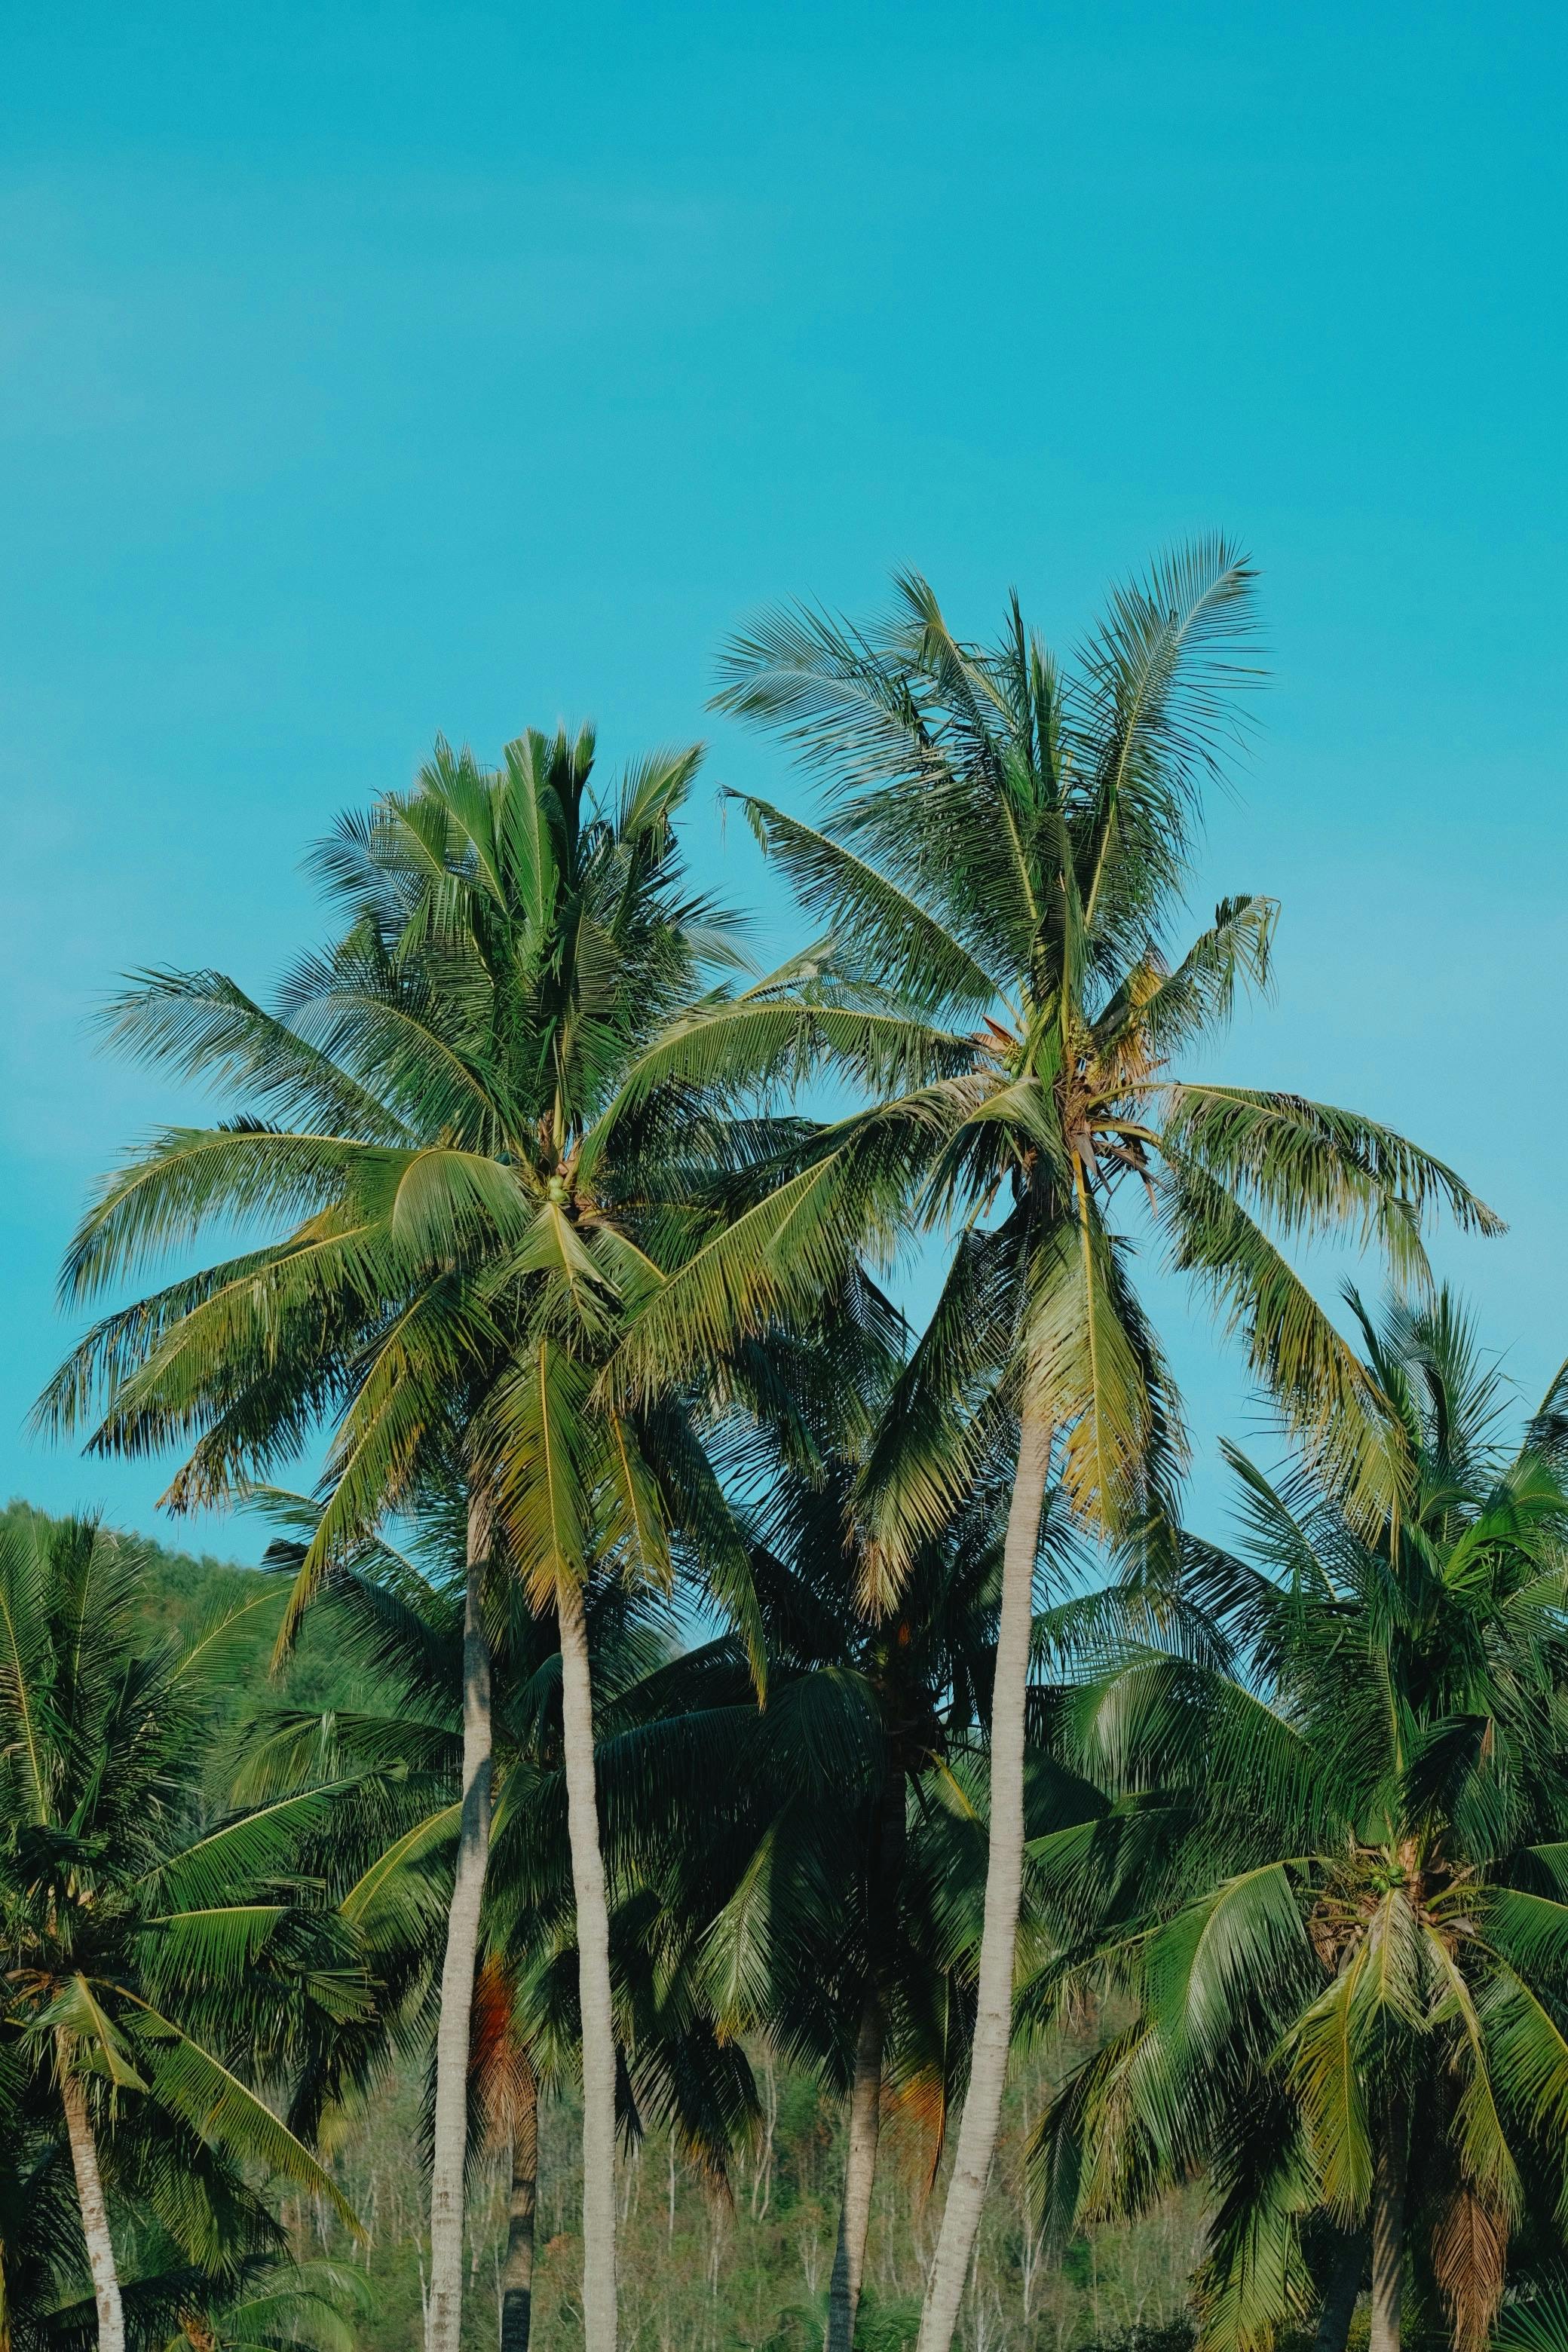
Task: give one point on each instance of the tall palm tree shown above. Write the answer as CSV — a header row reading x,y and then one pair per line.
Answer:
x,y
473,1204
1002,851
838,1843
398,1616
1334,1876
853,1828
146,1959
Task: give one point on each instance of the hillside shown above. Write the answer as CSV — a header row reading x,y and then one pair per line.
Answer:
x,y
190,1592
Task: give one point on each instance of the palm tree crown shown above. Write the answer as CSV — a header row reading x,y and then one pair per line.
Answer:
x,y
1005,845
1334,1876
155,1960
451,1193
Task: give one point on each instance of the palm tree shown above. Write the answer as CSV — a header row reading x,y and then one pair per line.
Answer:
x,y
190,2237
838,1844
145,1960
1004,848
504,2075
473,1205
850,1935
1333,1884
277,2306
853,1823
248,2295
398,1616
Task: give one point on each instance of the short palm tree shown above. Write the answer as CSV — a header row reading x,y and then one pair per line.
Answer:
x,y
1335,1879
472,1205
279,2306
188,2233
1004,850
151,1959
253,2298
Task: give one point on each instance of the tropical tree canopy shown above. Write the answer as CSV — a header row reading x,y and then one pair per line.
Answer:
x,y
460,1239
1004,850
1331,1888
160,1971
524,1194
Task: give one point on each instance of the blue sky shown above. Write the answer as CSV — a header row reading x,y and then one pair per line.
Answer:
x,y
376,370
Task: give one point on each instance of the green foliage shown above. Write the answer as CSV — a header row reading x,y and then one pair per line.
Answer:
x,y
1345,1941
888,2324
739,2275
1002,852
517,1208
1169,2336
486,1185
184,1593
161,1965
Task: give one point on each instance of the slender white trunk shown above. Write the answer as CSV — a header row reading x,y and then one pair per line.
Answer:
x,y
594,1977
449,2141
1003,1885
517,2278
1389,2172
94,2212
859,2178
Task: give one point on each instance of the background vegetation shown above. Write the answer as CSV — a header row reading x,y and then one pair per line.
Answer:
x,y
742,2269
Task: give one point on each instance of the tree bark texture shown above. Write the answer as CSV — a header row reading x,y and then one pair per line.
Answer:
x,y
101,2260
1389,2174
859,2177
1340,2295
517,2275
451,2135
594,1977
1003,1885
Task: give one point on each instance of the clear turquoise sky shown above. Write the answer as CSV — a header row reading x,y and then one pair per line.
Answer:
x,y
367,370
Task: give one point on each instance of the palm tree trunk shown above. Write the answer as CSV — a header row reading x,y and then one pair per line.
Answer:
x,y
1340,2295
859,2177
517,2276
1389,2173
94,2212
884,1886
593,1976
1003,1885
449,2140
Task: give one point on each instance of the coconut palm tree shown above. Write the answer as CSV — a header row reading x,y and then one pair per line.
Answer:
x,y
1334,1880
248,2296
473,1203
398,1616
852,1828
1002,851
838,1843
147,1961
194,2244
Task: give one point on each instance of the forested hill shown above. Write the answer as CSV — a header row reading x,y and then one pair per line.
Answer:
x,y
189,1592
